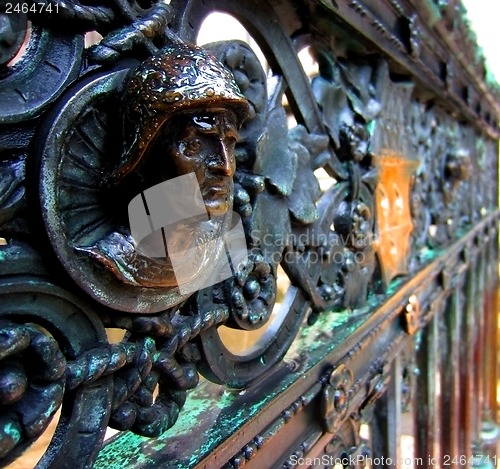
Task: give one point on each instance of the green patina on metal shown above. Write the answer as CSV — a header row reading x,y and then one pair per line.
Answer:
x,y
328,327
428,255
371,127
12,431
124,451
216,413
213,413
209,409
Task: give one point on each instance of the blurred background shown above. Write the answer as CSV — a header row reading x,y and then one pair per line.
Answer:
x,y
483,16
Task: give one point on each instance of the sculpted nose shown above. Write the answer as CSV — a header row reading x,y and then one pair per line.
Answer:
x,y
225,161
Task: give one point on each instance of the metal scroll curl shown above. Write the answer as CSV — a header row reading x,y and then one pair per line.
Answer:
x,y
250,295
52,62
334,266
323,241
43,328
275,175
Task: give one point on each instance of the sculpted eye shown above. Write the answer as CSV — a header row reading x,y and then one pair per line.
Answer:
x,y
205,122
192,147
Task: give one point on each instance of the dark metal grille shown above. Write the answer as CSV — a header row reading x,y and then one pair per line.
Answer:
x,y
381,351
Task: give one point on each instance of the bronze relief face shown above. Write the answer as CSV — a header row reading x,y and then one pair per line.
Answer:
x,y
177,115
205,146
182,80
184,104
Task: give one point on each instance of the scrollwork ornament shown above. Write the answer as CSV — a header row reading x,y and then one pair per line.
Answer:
x,y
54,62
264,177
31,385
37,343
357,90
347,446
138,40
150,388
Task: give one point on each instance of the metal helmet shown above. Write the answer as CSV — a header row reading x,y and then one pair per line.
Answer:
x,y
180,77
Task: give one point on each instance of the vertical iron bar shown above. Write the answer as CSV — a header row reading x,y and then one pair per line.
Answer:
x,y
490,430
469,334
428,428
451,379
386,421
479,353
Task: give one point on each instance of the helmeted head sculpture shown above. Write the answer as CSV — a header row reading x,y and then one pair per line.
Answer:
x,y
182,78
182,109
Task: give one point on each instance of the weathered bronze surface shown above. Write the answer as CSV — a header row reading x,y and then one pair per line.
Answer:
x,y
391,309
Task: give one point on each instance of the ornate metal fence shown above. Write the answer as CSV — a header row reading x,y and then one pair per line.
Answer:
x,y
387,331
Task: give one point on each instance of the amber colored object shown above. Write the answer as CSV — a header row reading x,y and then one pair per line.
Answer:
x,y
394,223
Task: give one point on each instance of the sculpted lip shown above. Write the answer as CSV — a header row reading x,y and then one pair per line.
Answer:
x,y
218,188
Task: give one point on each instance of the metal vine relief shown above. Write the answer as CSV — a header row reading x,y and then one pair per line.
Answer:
x,y
85,132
